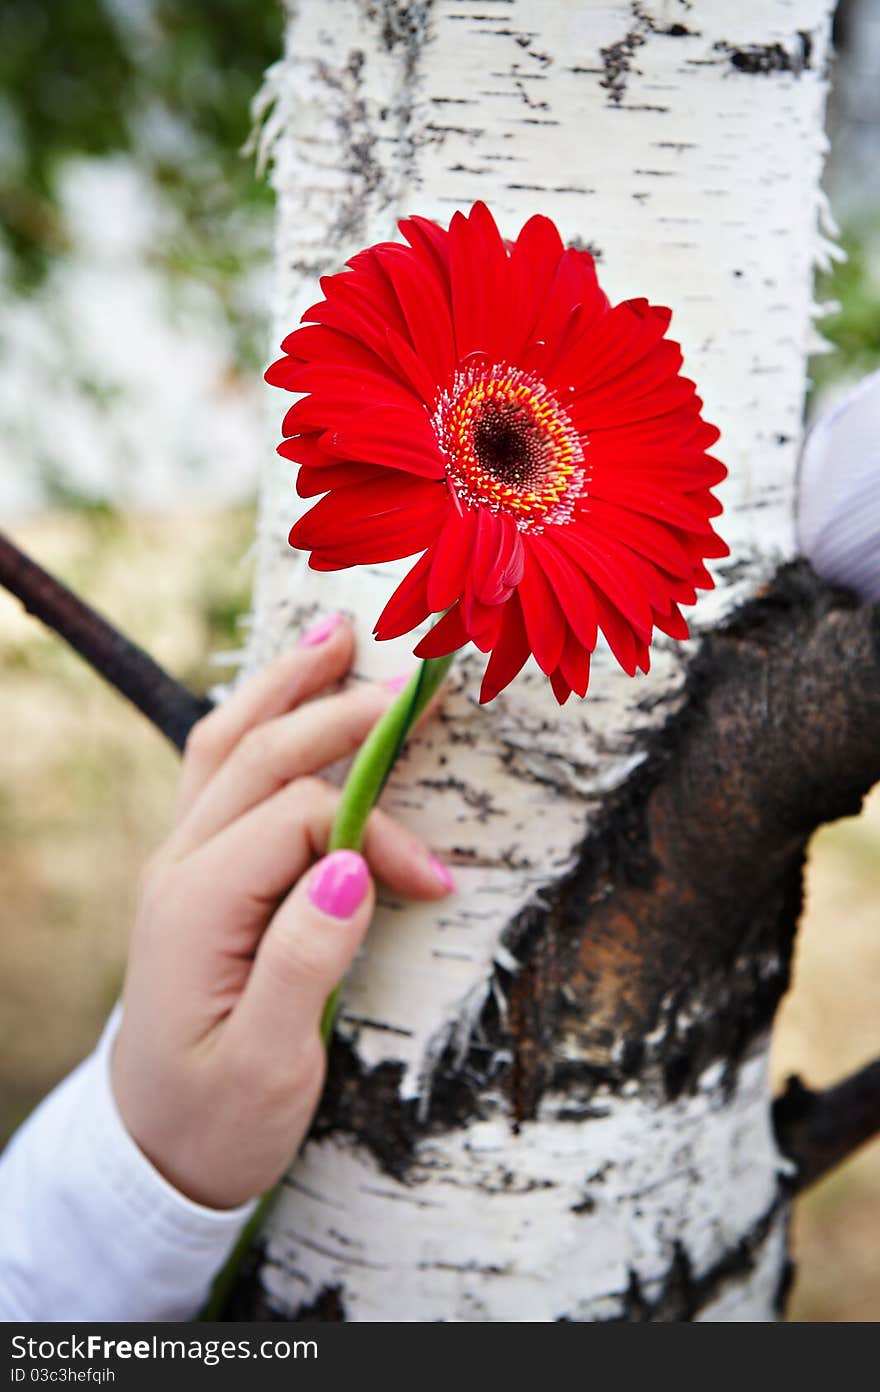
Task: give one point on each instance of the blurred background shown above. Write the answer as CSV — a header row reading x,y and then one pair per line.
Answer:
x,y
135,251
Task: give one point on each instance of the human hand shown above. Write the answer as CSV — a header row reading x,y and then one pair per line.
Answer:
x,y
219,1064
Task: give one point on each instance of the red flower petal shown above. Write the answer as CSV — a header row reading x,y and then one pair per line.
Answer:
x,y
391,436
561,688
408,606
622,337
681,470
306,450
509,654
536,254
425,302
641,496
498,558
575,665
450,556
595,411
654,375
311,481
606,564
367,320
652,539
483,622
315,343
355,386
479,275
545,622
373,521
430,240
411,367
574,286
447,635
619,635
571,587
673,623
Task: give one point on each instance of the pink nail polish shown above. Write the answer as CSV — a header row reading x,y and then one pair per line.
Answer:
x,y
443,874
396,684
339,883
321,631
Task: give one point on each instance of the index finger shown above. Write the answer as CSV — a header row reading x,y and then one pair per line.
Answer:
x,y
322,656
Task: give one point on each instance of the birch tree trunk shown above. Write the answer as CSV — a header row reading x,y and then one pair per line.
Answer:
x,y
549,1098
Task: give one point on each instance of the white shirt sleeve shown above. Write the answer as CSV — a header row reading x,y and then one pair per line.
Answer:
x,y
89,1230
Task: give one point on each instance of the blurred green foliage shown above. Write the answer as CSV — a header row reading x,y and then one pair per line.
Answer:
x,y
169,84
854,328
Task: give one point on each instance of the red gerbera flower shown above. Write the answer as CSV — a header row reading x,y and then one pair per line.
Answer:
x,y
480,402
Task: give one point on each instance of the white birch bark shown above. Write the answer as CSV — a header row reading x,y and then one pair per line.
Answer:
x,y
682,143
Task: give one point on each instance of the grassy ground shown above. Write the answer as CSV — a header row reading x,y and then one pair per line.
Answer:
x,y
85,783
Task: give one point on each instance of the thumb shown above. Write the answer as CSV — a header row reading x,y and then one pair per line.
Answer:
x,y
306,951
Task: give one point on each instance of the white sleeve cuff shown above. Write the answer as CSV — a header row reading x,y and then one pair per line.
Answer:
x,y
90,1229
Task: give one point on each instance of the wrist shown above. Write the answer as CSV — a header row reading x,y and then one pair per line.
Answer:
x,y
159,1128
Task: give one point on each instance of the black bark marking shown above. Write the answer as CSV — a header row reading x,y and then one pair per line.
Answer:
x,y
683,1294
326,1308
769,58
585,1205
551,188
365,1023
617,62
358,141
671,30
248,1299
453,130
618,58
528,101
525,42
592,248
403,27
478,799
400,22
365,1103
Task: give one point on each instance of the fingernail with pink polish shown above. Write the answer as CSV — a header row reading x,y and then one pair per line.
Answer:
x,y
339,883
443,875
396,684
321,631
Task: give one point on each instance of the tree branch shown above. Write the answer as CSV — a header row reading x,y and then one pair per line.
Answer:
x,y
817,1130
170,706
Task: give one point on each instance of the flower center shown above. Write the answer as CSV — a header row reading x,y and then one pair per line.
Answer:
x,y
510,446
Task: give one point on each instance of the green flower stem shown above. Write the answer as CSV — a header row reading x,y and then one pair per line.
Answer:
x,y
221,1288
361,791
370,771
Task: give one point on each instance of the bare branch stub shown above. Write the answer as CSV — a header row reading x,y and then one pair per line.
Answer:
x,y
169,705
817,1130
